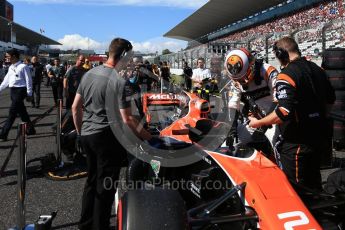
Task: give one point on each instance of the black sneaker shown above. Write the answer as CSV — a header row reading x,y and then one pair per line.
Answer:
x,y
69,158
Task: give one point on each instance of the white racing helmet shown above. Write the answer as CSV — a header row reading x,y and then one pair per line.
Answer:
x,y
239,64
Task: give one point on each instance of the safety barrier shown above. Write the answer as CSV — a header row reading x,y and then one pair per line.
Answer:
x,y
21,186
21,179
21,176
58,132
61,170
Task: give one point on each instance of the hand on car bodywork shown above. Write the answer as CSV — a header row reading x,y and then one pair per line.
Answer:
x,y
254,123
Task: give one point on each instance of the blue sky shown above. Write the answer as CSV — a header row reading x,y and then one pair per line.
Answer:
x,y
93,23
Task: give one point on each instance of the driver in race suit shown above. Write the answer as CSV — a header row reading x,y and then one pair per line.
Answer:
x,y
250,78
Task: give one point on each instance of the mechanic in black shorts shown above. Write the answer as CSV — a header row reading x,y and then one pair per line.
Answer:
x,y
105,154
188,73
304,97
37,75
56,74
72,80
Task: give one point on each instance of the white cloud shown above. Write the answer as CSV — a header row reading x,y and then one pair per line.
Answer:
x,y
159,44
192,4
76,41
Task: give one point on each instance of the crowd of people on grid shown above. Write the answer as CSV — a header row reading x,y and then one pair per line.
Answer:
x,y
24,77
64,78
85,88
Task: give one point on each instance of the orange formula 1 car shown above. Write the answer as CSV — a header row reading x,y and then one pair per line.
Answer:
x,y
226,188
187,111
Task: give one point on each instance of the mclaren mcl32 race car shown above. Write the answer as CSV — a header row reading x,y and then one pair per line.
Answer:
x,y
221,188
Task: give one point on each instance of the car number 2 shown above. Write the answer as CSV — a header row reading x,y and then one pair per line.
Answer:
x,y
289,225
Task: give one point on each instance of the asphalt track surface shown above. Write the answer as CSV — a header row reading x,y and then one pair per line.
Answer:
x,y
43,196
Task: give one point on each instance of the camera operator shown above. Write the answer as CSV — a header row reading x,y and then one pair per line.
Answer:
x,y
133,83
165,76
144,71
304,96
157,77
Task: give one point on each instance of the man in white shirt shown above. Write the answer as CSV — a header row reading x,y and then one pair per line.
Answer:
x,y
18,79
200,73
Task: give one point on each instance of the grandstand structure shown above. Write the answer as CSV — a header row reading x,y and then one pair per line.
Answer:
x,y
221,25
14,35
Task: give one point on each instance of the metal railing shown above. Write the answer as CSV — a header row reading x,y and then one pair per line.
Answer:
x,y
58,132
21,177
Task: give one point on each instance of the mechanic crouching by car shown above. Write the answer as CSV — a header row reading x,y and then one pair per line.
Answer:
x,y
253,84
304,97
105,154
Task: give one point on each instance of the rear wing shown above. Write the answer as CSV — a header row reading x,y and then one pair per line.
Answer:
x,y
158,99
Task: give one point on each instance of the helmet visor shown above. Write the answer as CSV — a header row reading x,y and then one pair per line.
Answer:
x,y
234,66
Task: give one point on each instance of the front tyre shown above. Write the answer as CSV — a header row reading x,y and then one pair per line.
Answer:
x,y
155,209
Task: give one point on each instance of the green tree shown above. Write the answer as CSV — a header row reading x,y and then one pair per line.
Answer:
x,y
166,51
